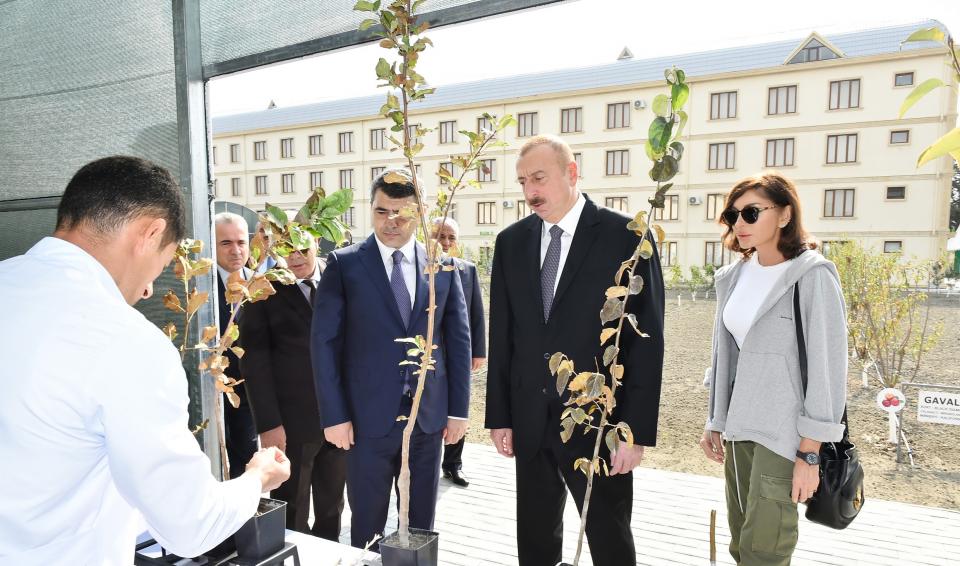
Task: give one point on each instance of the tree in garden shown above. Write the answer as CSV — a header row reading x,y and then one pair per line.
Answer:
x,y
592,394
318,218
403,36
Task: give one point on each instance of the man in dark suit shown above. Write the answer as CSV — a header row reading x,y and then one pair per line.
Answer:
x,y
371,294
550,273
279,380
446,231
233,250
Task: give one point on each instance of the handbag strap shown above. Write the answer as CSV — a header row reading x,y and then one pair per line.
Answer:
x,y
802,349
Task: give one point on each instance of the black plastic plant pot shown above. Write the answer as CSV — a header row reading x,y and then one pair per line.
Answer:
x,y
422,550
263,534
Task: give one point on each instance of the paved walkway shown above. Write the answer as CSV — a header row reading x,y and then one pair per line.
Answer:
x,y
671,516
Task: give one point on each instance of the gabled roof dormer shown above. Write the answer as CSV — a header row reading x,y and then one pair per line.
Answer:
x,y
814,48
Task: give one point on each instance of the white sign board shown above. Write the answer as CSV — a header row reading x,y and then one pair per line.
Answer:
x,y
938,407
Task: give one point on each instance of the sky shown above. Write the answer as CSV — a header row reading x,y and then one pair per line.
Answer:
x,y
575,33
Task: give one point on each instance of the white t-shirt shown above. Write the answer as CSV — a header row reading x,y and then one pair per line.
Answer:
x,y
752,288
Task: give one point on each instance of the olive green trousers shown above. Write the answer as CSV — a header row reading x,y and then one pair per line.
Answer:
x,y
762,516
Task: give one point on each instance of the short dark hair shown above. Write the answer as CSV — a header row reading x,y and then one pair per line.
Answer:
x,y
393,190
794,238
112,191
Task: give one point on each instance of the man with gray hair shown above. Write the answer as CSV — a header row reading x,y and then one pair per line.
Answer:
x,y
232,251
447,232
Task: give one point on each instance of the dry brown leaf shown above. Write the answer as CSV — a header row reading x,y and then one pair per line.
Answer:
x,y
195,300
170,330
617,291
259,288
605,334
172,302
209,333
555,362
234,399
238,351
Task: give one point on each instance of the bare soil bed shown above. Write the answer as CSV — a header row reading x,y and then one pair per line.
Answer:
x,y
935,481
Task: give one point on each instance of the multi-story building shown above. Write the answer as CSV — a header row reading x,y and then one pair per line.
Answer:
x,y
822,111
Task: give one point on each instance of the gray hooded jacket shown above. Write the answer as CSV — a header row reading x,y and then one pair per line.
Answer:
x,y
756,392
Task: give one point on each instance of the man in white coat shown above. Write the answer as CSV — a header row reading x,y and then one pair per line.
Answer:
x,y
94,441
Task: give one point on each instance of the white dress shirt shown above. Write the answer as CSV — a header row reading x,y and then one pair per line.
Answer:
x,y
569,225
316,281
94,443
408,266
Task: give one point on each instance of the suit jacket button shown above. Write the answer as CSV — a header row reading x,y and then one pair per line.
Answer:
x,y
544,390
546,355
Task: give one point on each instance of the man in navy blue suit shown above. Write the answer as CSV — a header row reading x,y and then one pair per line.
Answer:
x,y
447,232
371,294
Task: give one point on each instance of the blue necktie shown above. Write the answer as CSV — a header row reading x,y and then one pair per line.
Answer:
x,y
549,270
399,287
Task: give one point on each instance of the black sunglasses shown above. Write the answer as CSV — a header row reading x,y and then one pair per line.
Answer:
x,y
750,214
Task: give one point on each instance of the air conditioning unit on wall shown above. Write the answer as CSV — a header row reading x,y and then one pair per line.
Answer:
x,y
508,204
694,201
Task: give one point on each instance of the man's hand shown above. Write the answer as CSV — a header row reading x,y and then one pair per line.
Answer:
x,y
477,363
274,437
455,430
624,460
712,445
503,440
340,435
271,465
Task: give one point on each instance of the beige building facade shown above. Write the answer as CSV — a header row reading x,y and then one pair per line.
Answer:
x,y
824,115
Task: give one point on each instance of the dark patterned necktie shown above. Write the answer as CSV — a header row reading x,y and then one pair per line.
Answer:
x,y
399,287
549,269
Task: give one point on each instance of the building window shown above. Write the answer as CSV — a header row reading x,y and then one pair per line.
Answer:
x,y
259,150
616,203
286,183
896,193
483,124
903,79
571,120
452,211
780,153
378,139
813,51
842,148
234,153
316,145
722,156
714,205
844,94
668,254
527,124
316,179
578,159
261,184
670,210
376,171
487,173
713,254
900,136
618,115
448,132
723,105
286,148
522,209
213,154
216,187
892,246
486,213
782,100
451,168
346,178
346,142
412,134
838,203
618,162
349,218
235,186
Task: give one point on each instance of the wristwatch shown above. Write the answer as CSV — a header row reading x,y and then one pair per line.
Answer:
x,y
811,458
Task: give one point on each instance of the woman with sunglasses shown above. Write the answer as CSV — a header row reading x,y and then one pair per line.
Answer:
x,y
761,425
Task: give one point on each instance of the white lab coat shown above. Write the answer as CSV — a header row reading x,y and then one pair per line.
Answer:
x,y
94,443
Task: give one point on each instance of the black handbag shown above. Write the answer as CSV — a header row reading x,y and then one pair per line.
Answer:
x,y
839,498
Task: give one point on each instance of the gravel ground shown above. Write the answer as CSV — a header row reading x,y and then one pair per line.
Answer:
x,y
935,481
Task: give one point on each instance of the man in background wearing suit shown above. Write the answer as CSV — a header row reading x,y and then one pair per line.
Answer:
x,y
550,273
280,390
233,250
371,294
447,232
